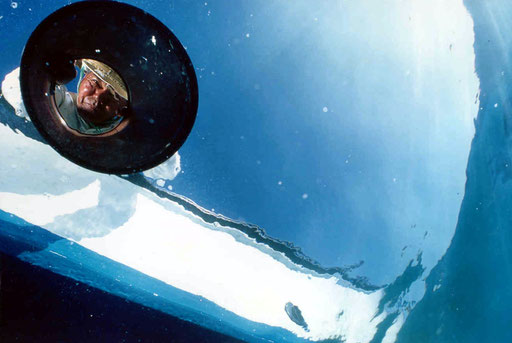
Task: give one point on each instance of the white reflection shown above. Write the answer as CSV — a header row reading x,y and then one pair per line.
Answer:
x,y
167,170
12,93
200,259
41,209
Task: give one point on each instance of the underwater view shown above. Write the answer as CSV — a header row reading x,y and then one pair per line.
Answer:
x,y
348,176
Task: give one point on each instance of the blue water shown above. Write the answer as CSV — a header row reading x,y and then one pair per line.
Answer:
x,y
474,300
345,185
264,151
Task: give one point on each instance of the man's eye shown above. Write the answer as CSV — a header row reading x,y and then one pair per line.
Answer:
x,y
113,92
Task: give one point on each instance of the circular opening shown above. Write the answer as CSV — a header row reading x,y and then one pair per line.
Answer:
x,y
95,102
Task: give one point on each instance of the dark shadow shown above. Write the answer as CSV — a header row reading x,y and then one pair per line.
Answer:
x,y
18,236
7,117
37,305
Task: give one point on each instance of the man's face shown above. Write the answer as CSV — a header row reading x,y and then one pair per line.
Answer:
x,y
96,101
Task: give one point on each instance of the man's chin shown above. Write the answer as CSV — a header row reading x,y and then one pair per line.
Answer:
x,y
89,115
86,108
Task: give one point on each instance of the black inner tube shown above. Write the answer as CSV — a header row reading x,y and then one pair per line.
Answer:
x,y
158,73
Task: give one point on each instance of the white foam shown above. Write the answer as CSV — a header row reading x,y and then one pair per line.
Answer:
x,y
167,170
41,209
393,330
12,93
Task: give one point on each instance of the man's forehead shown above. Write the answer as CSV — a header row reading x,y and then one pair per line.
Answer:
x,y
90,75
105,74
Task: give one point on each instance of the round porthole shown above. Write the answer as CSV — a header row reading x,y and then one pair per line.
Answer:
x,y
109,86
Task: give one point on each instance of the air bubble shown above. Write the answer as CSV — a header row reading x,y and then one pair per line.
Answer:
x,y
14,4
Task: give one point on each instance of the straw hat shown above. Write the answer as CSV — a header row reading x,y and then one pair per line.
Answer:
x,y
107,75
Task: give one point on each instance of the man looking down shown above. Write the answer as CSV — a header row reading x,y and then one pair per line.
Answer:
x,y
100,102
